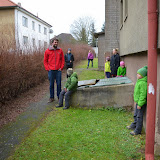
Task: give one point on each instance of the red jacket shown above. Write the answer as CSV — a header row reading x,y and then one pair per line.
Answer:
x,y
53,59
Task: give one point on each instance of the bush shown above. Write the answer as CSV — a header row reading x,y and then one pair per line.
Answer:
x,y
19,72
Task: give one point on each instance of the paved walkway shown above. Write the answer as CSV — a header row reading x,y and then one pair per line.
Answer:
x,y
12,134
15,132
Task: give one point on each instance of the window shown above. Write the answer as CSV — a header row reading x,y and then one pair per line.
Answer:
x,y
33,25
39,28
33,42
121,18
125,10
45,31
25,21
25,40
45,45
39,43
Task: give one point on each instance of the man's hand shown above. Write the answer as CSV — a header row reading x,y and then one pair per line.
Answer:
x,y
59,69
138,107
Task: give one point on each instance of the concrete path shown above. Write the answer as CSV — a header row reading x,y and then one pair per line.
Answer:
x,y
15,132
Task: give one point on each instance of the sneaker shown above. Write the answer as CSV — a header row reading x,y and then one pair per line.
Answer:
x,y
50,100
59,106
134,133
65,107
129,127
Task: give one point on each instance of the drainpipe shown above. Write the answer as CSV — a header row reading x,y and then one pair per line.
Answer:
x,y
152,78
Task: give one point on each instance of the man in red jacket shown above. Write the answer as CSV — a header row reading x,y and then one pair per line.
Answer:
x,y
54,63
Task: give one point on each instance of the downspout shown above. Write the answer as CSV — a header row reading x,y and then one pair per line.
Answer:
x,y
152,78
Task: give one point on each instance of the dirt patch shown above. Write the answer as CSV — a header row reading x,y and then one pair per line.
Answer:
x,y
11,109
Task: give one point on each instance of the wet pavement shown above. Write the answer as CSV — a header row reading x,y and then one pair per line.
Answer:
x,y
14,133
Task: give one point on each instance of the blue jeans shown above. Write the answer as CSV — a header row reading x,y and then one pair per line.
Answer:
x,y
67,98
54,75
89,62
108,74
138,119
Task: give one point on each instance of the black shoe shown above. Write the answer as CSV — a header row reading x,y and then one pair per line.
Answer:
x,y
65,107
59,106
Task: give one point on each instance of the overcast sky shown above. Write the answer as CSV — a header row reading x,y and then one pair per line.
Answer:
x,y
61,13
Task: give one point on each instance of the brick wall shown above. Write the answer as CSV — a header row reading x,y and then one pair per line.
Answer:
x,y
112,23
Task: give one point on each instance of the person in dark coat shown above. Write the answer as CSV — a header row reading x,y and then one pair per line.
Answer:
x,y
115,62
69,58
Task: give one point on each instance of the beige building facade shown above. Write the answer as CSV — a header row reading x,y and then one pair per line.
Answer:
x,y
134,46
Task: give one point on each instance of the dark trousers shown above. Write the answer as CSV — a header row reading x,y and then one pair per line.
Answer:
x,y
54,75
108,74
67,98
89,62
138,119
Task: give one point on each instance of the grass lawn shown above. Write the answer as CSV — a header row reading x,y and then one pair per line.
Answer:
x,y
83,134
91,73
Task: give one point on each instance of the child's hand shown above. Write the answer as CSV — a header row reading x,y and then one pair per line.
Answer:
x,y
138,107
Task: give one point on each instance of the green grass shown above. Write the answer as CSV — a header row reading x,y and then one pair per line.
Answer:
x,y
84,63
79,134
91,73
83,134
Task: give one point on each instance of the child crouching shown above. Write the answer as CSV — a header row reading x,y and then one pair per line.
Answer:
x,y
70,86
121,72
140,98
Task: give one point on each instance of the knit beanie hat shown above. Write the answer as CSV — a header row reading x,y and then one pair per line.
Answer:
x,y
122,63
69,49
69,71
143,71
108,58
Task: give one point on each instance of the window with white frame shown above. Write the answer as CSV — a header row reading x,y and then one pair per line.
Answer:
x,y
39,43
39,26
25,40
33,25
33,42
25,21
45,45
45,30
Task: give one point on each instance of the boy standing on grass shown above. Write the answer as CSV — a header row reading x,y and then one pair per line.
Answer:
x,y
107,68
140,98
70,86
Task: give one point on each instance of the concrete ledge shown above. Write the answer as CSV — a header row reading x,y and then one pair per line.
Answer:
x,y
104,96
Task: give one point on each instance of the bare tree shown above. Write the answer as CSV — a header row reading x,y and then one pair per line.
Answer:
x,y
103,27
81,29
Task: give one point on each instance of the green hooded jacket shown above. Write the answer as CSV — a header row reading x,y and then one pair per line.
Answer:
x,y
72,82
121,71
140,91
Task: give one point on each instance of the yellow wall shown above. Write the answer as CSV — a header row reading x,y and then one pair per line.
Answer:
x,y
7,27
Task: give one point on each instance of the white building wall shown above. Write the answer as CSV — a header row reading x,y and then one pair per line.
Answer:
x,y
29,32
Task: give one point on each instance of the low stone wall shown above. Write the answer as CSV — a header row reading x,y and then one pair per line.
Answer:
x,y
104,96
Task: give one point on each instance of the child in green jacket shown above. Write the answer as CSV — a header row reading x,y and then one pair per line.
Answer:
x,y
140,98
121,72
70,86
